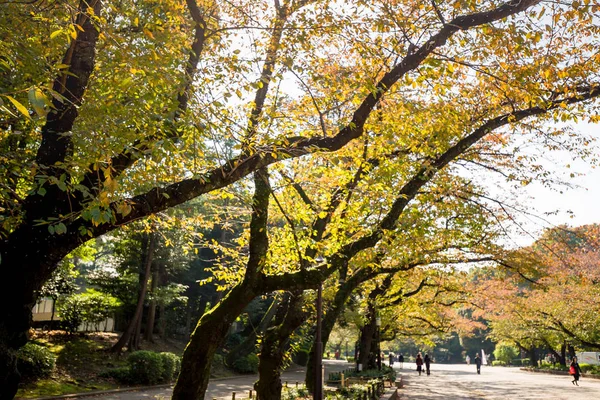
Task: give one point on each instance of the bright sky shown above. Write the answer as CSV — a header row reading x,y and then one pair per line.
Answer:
x,y
574,206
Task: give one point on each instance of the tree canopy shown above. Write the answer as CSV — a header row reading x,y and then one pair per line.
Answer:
x,y
112,112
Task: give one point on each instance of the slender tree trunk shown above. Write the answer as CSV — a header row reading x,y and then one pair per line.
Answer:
x,y
331,316
136,337
137,316
151,310
206,339
162,322
275,344
563,354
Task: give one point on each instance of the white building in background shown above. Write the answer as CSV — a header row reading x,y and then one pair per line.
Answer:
x,y
588,357
42,313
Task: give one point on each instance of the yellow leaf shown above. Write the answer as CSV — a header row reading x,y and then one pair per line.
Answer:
x,y
148,33
55,33
19,106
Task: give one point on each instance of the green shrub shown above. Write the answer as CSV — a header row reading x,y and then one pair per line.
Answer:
x,y
506,353
35,361
145,367
248,364
71,313
498,363
301,357
121,375
171,366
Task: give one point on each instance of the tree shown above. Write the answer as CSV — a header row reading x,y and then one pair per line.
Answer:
x,y
131,120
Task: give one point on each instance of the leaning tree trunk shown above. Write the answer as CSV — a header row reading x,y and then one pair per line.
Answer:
x,y
275,344
148,250
209,334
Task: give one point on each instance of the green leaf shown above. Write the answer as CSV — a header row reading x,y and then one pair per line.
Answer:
x,y
60,228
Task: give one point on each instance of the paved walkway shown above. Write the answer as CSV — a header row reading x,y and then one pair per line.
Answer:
x,y
462,382
445,382
222,389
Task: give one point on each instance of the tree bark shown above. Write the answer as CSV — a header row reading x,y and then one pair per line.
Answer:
x,y
367,333
275,344
206,339
148,245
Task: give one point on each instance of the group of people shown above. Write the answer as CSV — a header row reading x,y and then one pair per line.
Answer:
x,y
574,369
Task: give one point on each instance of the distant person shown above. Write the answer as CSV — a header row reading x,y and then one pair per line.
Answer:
x,y
468,359
401,360
478,363
575,370
419,362
427,361
391,359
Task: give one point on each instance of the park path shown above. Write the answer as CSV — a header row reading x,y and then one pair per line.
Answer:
x,y
451,381
222,388
447,381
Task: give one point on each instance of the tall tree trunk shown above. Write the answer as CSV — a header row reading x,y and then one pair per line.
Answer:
x,y
367,333
148,245
533,361
151,310
209,334
275,344
563,354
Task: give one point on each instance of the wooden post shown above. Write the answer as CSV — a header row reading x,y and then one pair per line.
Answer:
x,y
342,379
296,384
250,394
233,396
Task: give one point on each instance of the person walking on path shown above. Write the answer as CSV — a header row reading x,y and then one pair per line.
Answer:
x,y
468,359
419,362
391,359
401,360
575,370
478,363
427,361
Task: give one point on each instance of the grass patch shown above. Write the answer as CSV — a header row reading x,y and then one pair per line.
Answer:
x,y
53,387
80,362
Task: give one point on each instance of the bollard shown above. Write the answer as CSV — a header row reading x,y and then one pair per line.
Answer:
x,y
233,396
286,384
250,394
342,379
296,384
